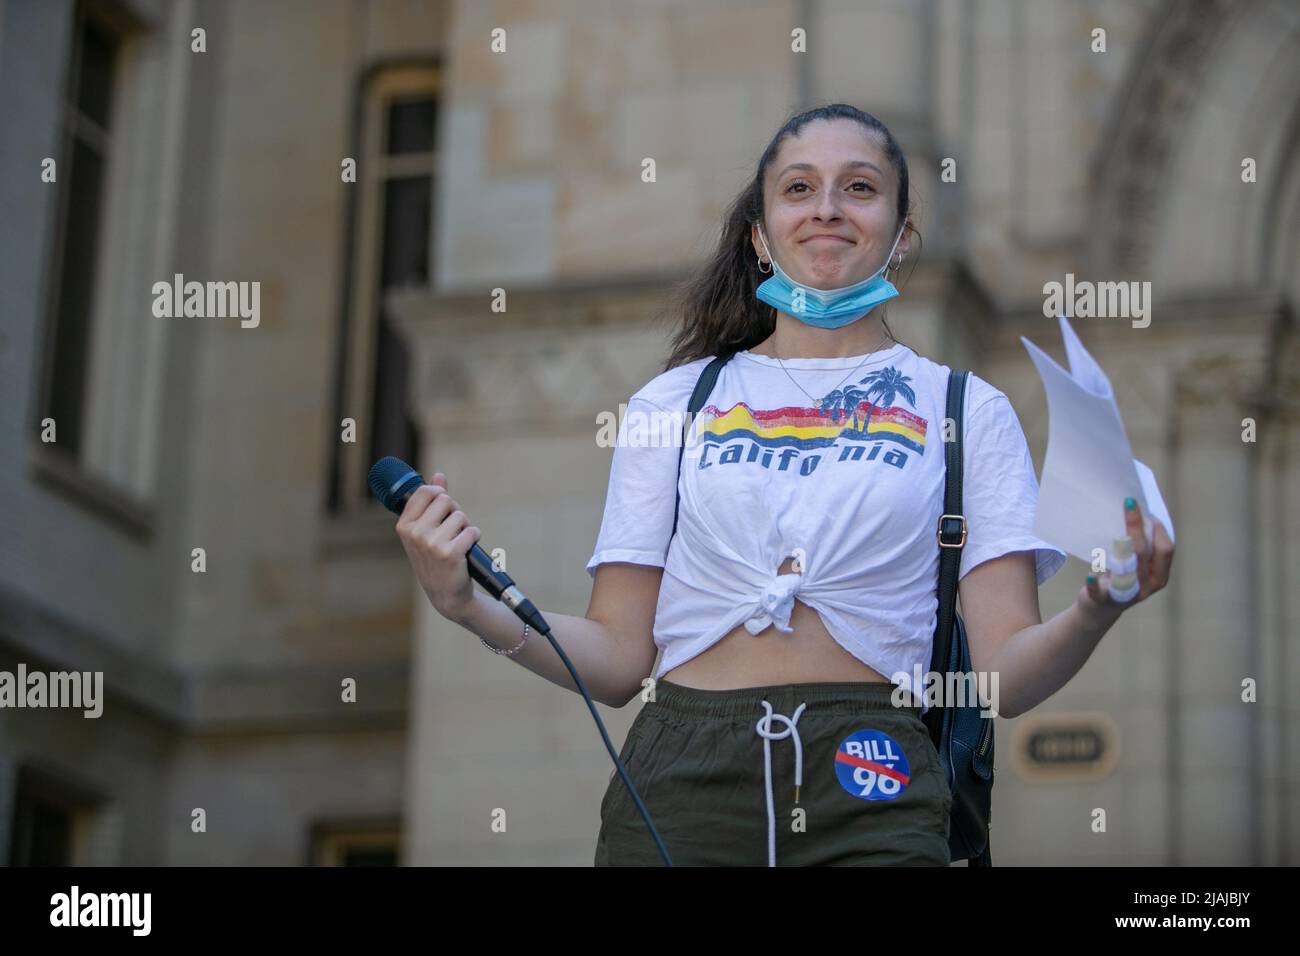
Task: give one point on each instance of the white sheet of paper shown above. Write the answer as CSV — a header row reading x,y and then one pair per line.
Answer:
x,y
1089,468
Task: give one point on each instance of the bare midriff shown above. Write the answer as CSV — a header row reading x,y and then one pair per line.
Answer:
x,y
741,659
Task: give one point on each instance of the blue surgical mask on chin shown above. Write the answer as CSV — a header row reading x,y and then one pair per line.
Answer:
x,y
826,308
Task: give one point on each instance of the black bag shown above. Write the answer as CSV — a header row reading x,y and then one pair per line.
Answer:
x,y
962,737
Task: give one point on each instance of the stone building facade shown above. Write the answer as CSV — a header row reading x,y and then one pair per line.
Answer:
x,y
226,689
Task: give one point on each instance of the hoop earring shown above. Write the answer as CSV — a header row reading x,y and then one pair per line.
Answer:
x,y
761,269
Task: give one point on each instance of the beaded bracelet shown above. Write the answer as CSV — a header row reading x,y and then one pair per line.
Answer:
x,y
497,650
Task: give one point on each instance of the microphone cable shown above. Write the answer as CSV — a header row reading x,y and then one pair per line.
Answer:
x,y
393,481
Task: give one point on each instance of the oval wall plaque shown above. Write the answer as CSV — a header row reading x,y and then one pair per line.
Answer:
x,y
1065,748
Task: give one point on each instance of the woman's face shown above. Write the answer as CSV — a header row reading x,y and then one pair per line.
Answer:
x,y
831,180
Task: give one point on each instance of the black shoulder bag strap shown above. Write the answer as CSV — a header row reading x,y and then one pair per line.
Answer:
x,y
952,536
703,388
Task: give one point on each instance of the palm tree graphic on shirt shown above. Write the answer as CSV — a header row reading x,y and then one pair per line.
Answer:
x,y
888,384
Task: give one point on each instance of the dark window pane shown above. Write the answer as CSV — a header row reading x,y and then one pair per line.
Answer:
x,y
370,856
75,294
392,432
406,231
405,260
51,836
411,126
42,831
95,84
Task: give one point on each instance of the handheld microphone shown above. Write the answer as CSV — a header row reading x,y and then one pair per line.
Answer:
x,y
393,481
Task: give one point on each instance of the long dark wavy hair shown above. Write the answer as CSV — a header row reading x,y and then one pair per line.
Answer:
x,y
718,308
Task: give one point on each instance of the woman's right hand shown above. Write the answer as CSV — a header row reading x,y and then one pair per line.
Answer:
x,y
437,535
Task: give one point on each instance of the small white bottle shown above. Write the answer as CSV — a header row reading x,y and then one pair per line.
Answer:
x,y
1124,584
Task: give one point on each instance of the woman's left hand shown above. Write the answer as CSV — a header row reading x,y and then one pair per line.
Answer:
x,y
1154,560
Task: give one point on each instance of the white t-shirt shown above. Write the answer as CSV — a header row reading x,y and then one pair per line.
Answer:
x,y
856,483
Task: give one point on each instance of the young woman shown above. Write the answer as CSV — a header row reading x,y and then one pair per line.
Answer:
x,y
800,585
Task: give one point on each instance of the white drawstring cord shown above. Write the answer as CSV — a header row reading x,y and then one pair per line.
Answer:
x,y
764,728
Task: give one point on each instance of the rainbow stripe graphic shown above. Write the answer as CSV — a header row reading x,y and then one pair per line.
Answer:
x,y
805,428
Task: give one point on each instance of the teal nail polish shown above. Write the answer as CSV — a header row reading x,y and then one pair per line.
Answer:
x,y
1092,579
1130,504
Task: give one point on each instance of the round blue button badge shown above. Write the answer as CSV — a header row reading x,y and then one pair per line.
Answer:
x,y
871,765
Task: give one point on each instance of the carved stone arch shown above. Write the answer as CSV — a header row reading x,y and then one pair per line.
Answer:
x,y
1222,233
1129,171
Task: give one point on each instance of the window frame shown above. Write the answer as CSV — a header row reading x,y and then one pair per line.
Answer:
x,y
330,840
51,465
362,299
71,125
37,782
